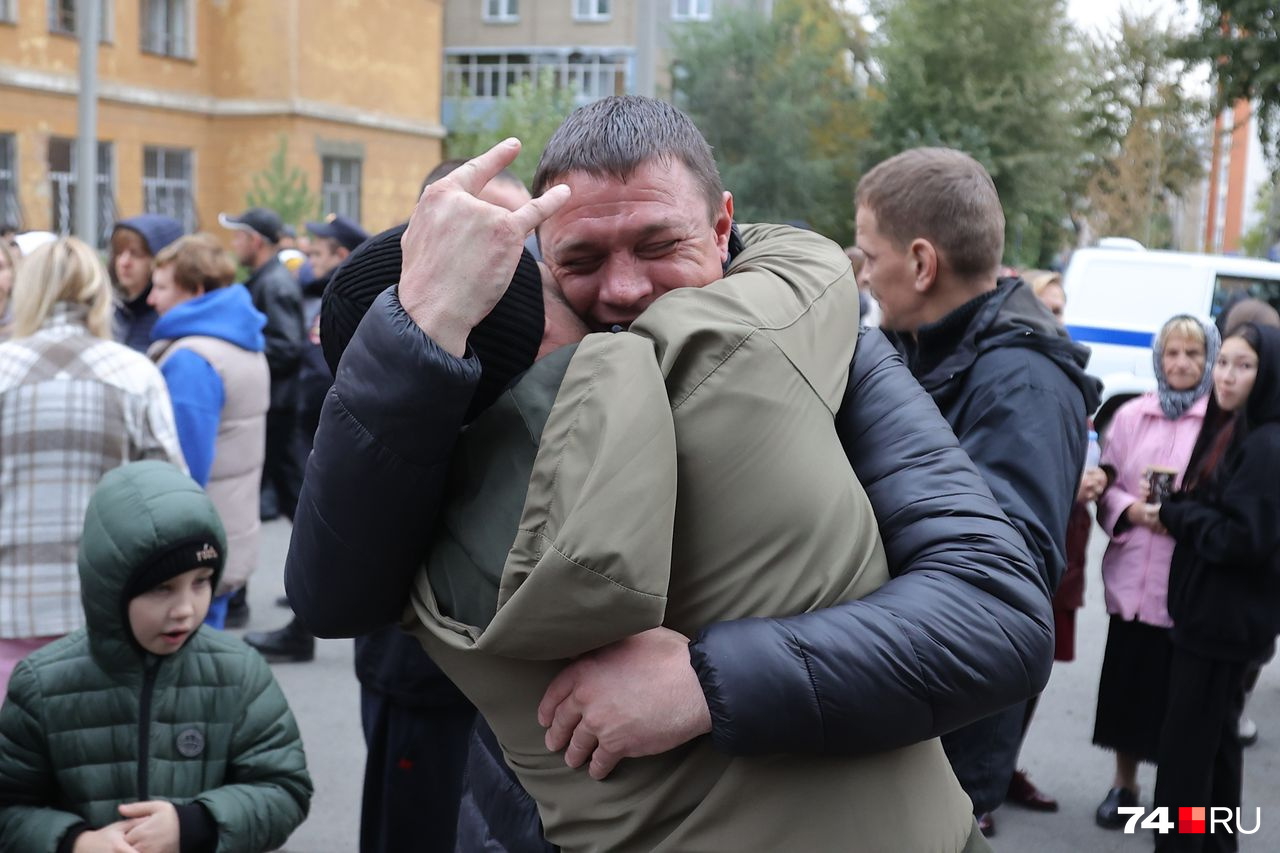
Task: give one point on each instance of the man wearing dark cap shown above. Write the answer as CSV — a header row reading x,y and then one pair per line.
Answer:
x,y
254,235
332,241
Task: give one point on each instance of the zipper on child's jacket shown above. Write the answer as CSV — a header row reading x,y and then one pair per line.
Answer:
x,y
149,673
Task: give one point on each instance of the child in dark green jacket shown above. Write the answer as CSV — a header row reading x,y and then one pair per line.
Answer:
x,y
143,732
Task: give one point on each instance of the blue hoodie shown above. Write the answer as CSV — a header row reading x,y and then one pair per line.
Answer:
x,y
194,386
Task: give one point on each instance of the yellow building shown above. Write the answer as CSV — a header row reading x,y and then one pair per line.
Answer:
x,y
195,95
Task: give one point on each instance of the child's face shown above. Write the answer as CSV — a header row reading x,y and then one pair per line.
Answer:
x,y
163,617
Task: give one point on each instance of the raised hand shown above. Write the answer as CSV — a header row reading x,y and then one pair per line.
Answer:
x,y
460,252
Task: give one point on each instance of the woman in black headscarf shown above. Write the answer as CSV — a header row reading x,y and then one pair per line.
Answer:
x,y
1224,583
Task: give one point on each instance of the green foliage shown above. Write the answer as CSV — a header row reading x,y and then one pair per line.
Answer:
x,y
997,80
1144,131
1259,239
780,103
531,112
1240,41
284,189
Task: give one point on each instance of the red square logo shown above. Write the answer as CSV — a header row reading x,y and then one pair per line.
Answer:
x,y
1191,820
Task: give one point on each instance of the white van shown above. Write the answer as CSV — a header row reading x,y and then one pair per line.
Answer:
x,y
1118,298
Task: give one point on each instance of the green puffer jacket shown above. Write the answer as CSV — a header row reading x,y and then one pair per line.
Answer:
x,y
93,721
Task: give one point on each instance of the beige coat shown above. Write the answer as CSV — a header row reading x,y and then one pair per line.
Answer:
x,y
688,472
236,475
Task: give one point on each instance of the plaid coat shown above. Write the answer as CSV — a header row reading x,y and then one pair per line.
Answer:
x,y
72,407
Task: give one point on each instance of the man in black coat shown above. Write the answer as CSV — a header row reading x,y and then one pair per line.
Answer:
x,y
962,630
1004,375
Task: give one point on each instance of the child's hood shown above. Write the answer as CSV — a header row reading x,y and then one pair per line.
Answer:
x,y
137,512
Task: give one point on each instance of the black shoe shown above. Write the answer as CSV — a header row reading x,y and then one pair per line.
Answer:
x,y
986,824
1108,815
282,601
290,644
237,609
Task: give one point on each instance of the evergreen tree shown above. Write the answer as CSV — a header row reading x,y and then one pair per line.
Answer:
x,y
283,188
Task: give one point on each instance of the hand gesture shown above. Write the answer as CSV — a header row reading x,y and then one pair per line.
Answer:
x,y
1143,514
638,696
153,826
1144,487
1092,484
109,839
459,252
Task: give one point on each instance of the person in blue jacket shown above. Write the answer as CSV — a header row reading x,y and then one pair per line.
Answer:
x,y
208,343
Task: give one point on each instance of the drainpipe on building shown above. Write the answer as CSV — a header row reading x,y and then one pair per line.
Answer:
x,y
88,22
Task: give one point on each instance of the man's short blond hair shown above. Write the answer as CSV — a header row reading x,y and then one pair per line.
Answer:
x,y
943,196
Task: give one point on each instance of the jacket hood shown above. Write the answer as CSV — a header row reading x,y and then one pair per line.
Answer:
x,y
157,230
226,313
1264,400
138,512
1012,316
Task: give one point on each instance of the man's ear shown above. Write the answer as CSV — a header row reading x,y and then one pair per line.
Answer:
x,y
924,260
723,225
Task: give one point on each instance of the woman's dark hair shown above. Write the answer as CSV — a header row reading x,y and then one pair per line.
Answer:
x,y
1221,430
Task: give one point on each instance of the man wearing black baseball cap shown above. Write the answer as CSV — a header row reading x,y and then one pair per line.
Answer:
x,y
254,235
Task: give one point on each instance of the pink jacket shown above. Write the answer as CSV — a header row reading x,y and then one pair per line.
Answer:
x,y
1135,567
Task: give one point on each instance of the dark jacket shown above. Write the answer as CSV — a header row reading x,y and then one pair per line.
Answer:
x,y
1013,387
277,295
314,376
93,720
1224,582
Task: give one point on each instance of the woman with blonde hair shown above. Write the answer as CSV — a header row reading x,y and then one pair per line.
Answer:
x,y
73,405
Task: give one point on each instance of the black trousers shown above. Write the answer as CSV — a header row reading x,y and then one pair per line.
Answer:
x,y
1201,760
984,753
282,469
412,776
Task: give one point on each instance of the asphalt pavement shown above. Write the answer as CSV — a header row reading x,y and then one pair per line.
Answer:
x,y
1058,754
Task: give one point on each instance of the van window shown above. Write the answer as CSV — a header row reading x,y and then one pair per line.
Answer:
x,y
1230,289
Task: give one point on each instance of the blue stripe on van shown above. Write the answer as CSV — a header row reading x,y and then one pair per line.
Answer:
x,y
1119,337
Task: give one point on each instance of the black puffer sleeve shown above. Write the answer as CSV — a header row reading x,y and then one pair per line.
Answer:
x,y
961,630
376,474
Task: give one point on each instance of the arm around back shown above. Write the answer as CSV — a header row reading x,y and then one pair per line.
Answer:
x,y
197,394
962,630
376,474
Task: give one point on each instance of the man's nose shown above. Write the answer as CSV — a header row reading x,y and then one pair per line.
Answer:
x,y
625,284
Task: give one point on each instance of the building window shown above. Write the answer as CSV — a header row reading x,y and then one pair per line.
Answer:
x,y
10,212
166,27
591,10
691,10
502,11
9,11
340,186
589,76
62,18
62,180
167,185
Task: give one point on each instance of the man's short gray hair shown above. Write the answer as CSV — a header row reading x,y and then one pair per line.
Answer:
x,y
614,136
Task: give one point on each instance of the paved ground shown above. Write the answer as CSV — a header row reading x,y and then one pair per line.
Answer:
x,y
1058,754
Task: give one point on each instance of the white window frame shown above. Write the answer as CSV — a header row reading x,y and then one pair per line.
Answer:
x,y
592,10
171,43
10,208
337,194
106,33
501,11
63,217
690,10
171,196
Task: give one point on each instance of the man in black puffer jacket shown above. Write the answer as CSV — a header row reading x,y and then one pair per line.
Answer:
x,y
1006,377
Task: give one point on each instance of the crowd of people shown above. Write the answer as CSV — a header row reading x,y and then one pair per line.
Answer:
x,y
607,485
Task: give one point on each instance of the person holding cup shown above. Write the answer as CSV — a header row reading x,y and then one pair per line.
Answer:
x,y
1155,430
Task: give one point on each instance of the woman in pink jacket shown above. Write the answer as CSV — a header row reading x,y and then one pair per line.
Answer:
x,y
1156,430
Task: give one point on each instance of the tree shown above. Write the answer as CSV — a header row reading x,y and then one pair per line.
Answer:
x,y
1144,131
1240,40
996,80
531,112
283,188
780,103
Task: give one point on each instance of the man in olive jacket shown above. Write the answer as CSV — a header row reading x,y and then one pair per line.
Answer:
x,y
96,721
